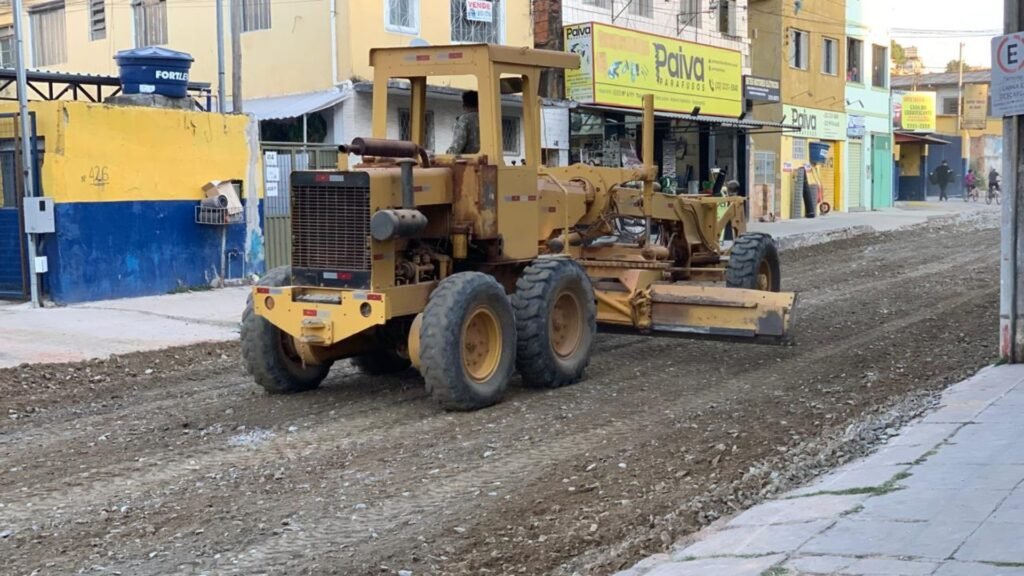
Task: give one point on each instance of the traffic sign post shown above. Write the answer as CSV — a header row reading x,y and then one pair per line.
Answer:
x,y
1008,102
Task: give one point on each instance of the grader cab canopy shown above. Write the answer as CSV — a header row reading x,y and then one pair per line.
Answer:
x,y
470,267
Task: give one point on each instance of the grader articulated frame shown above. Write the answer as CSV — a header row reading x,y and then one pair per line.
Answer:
x,y
469,269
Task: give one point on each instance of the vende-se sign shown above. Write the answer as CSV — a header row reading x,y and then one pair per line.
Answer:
x,y
479,10
1008,75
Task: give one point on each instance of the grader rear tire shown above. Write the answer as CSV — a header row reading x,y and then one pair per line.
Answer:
x,y
754,263
556,319
467,342
269,354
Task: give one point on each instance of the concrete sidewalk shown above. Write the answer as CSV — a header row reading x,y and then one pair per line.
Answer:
x,y
99,329
944,498
836,226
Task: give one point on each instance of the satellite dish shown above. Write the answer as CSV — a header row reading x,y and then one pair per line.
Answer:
x,y
418,43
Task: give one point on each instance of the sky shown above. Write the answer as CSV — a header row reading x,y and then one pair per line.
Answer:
x,y
948,15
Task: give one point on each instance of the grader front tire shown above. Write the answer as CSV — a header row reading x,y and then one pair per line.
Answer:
x,y
556,319
467,342
269,354
754,263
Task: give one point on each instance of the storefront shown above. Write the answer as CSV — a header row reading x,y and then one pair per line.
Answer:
x,y
700,135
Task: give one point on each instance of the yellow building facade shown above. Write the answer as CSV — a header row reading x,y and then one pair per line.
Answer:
x,y
803,45
313,50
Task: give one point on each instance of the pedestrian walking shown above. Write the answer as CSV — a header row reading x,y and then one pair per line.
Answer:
x,y
943,176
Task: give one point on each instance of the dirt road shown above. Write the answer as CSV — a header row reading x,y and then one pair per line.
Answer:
x,y
174,463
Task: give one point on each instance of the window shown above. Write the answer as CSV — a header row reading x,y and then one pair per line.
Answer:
x,y
97,19
799,149
829,56
597,3
951,106
150,22
402,16
255,15
7,47
690,16
405,127
644,8
799,44
854,60
510,134
726,17
477,21
879,66
49,41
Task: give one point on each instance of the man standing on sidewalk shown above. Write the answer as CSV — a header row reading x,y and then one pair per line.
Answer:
x,y
943,176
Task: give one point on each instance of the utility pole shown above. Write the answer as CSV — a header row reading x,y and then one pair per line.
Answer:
x,y
960,93
221,90
236,56
27,153
1011,280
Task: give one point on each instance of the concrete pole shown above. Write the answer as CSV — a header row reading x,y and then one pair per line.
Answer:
x,y
221,88
236,56
27,153
1011,300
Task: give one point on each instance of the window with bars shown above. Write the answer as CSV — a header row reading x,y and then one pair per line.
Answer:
x,y
402,16
255,15
405,127
150,22
7,47
97,19
510,135
49,40
691,13
471,24
951,106
643,8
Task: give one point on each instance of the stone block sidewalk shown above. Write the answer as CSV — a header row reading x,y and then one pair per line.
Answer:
x,y
943,498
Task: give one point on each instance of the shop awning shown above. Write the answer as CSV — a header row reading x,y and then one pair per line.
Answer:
x,y
296,105
745,124
911,138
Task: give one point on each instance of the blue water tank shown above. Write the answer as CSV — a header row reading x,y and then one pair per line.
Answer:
x,y
154,70
819,152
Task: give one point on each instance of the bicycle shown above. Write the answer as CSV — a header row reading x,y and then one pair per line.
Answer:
x,y
993,194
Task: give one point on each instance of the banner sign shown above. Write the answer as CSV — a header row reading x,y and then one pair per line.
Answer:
x,y
622,65
976,106
814,123
762,89
479,10
914,111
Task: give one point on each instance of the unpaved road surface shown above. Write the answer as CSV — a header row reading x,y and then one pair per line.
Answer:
x,y
173,462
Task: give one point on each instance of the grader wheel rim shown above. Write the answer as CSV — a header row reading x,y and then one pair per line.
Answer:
x,y
566,324
481,344
764,276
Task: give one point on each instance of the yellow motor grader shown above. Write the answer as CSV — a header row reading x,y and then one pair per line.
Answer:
x,y
469,268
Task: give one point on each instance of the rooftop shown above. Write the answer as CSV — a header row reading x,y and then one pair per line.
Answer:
x,y
942,79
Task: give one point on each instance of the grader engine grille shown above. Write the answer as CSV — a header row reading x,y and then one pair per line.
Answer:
x,y
331,229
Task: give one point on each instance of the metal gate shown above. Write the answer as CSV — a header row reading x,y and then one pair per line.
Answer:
x,y
856,201
13,263
279,161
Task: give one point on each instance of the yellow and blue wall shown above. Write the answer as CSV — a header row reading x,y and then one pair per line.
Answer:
x,y
125,183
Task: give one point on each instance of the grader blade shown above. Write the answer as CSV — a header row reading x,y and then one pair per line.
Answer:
x,y
721,312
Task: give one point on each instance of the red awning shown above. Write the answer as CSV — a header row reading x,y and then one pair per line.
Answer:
x,y
909,138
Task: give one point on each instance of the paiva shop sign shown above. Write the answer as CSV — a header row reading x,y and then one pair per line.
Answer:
x,y
619,66
814,123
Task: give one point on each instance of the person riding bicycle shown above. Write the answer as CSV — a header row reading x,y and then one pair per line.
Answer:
x,y
970,181
993,181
